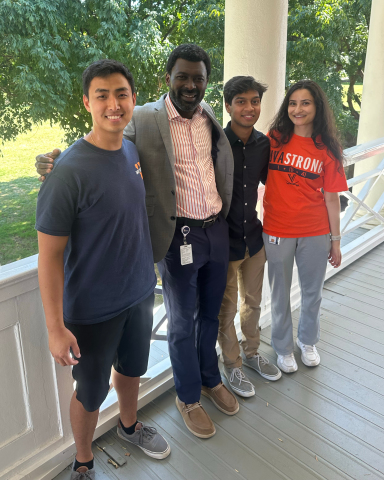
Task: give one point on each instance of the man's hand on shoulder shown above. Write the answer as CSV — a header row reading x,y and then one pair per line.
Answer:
x,y
44,163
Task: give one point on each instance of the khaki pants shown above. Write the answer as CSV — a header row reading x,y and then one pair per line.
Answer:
x,y
247,274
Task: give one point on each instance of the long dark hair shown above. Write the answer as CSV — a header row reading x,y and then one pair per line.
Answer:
x,y
324,133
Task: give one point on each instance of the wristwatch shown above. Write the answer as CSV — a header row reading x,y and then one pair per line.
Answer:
x,y
334,238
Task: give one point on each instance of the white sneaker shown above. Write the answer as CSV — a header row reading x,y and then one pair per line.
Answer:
x,y
287,363
309,354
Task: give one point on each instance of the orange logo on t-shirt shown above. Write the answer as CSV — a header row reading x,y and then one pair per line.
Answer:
x,y
138,169
293,201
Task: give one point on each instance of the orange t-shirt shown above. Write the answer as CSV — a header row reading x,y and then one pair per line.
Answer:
x,y
293,202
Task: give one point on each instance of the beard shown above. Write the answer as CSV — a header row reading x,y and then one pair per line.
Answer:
x,y
181,104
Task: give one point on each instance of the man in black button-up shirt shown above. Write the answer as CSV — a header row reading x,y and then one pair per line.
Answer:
x,y
247,255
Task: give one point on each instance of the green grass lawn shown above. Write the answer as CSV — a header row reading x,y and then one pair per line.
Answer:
x,y
18,190
19,187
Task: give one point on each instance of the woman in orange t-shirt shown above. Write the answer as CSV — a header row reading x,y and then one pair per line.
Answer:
x,y
300,221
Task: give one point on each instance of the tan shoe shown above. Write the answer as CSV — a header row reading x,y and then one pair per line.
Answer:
x,y
196,419
222,398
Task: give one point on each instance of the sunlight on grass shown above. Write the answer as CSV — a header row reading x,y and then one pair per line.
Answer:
x,y
358,90
19,188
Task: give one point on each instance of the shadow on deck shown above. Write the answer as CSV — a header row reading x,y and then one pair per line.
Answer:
x,y
320,423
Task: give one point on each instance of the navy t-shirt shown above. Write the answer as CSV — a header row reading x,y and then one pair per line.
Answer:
x,y
97,198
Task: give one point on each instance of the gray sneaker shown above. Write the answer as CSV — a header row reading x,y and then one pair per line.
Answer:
x,y
239,382
82,473
148,439
262,366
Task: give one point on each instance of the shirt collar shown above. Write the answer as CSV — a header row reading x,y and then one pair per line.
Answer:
x,y
233,138
173,113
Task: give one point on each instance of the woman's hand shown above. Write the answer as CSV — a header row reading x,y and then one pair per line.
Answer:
x,y
334,256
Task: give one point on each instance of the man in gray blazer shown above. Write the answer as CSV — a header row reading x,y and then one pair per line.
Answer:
x,y
187,166
149,131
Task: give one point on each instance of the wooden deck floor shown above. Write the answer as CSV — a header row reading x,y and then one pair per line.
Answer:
x,y
320,423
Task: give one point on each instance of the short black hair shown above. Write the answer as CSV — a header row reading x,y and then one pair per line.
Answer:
x,y
104,68
242,84
190,52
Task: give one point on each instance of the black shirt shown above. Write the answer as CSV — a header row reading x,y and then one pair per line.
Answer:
x,y
251,167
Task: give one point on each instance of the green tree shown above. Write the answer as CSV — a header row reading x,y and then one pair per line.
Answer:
x,y
46,44
327,42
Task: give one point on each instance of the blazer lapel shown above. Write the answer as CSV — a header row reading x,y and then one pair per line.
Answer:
x,y
212,118
161,117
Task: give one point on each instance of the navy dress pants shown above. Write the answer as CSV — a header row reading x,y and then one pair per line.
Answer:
x,y
192,296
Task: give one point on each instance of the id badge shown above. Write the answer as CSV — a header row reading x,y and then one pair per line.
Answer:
x,y
274,240
186,254
185,250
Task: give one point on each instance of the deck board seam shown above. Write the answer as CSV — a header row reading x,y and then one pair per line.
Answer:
x,y
350,294
356,310
339,375
177,445
190,437
329,442
319,436
350,399
353,280
352,319
270,442
354,335
347,398
324,418
362,271
132,457
326,441
325,342
349,340
280,433
268,342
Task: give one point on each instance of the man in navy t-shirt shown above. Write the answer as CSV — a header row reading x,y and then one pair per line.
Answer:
x,y
96,270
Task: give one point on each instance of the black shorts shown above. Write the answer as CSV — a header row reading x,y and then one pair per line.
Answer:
x,y
122,341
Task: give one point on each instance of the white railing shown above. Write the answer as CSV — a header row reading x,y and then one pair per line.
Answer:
x,y
36,442
351,251
359,214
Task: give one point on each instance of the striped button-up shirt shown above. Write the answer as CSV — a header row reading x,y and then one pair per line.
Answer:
x,y
196,192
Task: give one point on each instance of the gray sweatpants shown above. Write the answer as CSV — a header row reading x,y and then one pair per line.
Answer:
x,y
311,255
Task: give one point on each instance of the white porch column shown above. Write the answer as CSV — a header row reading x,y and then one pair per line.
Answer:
x,y
255,44
371,124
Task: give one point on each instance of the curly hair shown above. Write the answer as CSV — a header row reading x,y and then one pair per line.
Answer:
x,y
191,53
324,133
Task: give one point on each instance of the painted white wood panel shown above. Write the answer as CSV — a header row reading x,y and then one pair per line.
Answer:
x,y
30,418
14,412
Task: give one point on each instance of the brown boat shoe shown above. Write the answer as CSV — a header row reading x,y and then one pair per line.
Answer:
x,y
196,419
222,398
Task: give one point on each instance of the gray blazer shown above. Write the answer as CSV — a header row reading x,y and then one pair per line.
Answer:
x,y
149,130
